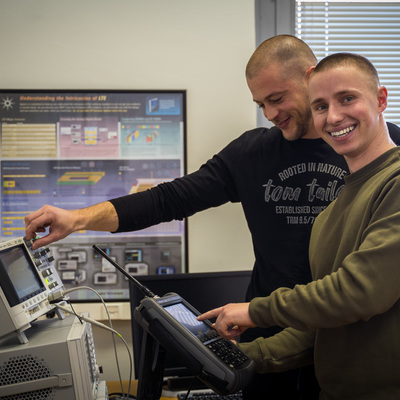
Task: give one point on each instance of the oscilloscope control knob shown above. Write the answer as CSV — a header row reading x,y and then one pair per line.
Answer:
x,y
28,242
38,262
44,251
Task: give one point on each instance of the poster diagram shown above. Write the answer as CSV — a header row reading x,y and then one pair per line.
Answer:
x,y
71,184
74,149
88,137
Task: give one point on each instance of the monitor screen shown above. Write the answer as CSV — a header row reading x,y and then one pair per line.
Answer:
x,y
19,276
75,148
204,291
187,319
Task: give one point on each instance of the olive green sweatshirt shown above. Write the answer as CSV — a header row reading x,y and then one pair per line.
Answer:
x,y
350,312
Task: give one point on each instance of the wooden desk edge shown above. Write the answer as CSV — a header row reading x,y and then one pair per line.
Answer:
x,y
115,387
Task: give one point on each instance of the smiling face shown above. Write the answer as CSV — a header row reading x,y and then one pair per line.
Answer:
x,y
284,102
347,111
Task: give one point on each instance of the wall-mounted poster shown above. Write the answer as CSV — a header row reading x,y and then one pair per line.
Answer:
x,y
73,149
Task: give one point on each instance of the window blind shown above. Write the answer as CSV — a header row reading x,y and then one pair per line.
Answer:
x,y
371,29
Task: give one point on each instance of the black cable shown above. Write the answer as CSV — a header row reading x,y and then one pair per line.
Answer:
x,y
121,396
75,313
190,388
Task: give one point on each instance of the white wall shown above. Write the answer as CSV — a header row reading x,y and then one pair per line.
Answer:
x,y
201,46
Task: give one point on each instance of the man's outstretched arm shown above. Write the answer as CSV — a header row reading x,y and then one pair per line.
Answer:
x,y
61,223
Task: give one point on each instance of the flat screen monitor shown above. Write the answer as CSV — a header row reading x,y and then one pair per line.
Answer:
x,y
75,148
204,291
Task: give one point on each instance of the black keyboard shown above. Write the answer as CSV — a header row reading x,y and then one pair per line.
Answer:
x,y
210,396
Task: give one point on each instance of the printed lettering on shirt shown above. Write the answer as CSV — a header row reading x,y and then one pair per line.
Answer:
x,y
317,190
312,167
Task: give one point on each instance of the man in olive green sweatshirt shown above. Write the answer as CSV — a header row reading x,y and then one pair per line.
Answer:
x,y
348,317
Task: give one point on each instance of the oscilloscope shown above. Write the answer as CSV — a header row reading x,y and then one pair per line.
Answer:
x,y
27,279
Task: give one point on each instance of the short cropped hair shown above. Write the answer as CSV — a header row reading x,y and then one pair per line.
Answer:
x,y
288,51
349,59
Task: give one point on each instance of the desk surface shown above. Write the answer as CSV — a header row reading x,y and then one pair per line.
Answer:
x,y
115,387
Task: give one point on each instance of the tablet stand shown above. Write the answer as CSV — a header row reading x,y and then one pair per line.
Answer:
x,y
151,373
